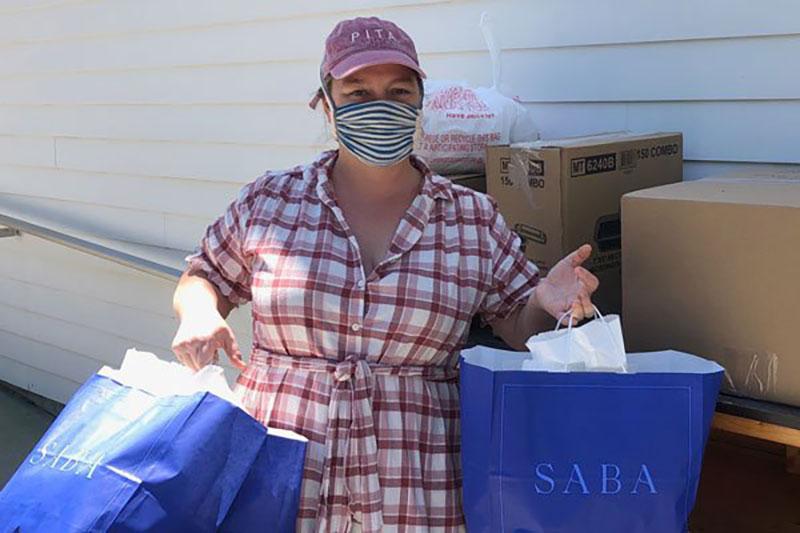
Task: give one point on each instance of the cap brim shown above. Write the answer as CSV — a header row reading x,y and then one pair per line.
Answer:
x,y
370,58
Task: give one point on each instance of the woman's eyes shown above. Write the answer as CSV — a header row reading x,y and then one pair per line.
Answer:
x,y
360,93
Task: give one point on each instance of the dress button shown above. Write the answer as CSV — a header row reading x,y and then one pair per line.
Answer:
x,y
356,327
361,284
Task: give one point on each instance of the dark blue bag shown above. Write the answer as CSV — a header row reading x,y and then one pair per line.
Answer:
x,y
120,459
583,451
271,491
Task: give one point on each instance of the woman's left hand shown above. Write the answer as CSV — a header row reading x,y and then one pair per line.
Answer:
x,y
568,287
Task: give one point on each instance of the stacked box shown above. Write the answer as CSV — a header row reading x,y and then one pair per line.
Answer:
x,y
559,194
711,267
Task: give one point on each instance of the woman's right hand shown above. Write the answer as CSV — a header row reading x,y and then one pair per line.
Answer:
x,y
199,337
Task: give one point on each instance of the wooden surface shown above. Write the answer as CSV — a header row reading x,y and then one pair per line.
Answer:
x,y
793,460
757,429
744,488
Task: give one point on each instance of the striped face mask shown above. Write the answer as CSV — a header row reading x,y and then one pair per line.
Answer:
x,y
379,132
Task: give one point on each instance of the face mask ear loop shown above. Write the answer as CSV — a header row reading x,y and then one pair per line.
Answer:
x,y
331,104
418,131
323,83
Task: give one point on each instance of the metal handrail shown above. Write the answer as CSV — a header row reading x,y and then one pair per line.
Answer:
x,y
123,258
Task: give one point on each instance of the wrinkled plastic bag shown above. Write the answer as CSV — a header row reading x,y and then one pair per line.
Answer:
x,y
459,121
597,345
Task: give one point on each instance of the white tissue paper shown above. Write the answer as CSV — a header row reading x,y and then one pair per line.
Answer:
x,y
145,371
595,346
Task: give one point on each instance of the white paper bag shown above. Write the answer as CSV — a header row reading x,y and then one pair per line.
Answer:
x,y
597,345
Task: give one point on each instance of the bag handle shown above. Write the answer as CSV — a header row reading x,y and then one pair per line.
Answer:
x,y
597,314
494,50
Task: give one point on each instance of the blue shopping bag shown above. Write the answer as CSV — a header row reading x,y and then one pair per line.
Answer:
x,y
271,491
583,451
118,458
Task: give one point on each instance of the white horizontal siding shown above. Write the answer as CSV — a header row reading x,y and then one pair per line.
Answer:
x,y
66,314
203,123
701,169
86,18
139,120
49,265
717,69
53,385
168,230
44,355
26,150
207,31
754,131
112,222
123,323
16,7
205,198
275,83
214,161
184,232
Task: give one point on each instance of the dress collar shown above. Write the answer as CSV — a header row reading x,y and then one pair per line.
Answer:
x,y
434,186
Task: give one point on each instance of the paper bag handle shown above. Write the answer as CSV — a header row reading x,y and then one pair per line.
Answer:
x,y
598,314
569,325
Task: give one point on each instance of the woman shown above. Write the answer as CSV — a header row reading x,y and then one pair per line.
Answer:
x,y
364,270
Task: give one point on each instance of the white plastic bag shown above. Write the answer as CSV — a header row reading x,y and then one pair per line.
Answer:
x,y
459,121
595,346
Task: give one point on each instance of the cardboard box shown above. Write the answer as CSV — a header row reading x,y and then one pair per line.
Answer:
x,y
711,267
559,194
476,182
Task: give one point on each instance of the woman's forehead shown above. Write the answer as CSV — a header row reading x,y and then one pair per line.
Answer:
x,y
389,73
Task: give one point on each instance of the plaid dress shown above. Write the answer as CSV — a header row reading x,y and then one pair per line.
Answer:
x,y
364,364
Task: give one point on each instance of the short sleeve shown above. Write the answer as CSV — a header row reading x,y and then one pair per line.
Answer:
x,y
513,275
221,255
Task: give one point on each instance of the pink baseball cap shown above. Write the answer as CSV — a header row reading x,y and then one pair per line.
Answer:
x,y
364,42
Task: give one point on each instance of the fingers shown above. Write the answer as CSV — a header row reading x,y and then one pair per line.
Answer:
x,y
195,354
581,308
588,283
576,311
199,340
580,255
588,279
189,360
586,305
182,355
231,348
181,351
206,353
198,354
